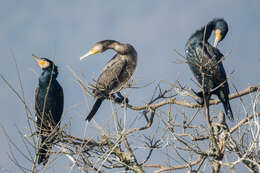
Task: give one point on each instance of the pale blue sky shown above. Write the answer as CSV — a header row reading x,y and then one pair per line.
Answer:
x,y
67,29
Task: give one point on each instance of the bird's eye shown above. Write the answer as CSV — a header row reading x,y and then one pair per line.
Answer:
x,y
97,48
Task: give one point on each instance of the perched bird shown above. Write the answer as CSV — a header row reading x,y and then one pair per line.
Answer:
x,y
49,101
201,55
115,74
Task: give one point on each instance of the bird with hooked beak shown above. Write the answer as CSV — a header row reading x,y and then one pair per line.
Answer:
x,y
116,72
49,101
201,55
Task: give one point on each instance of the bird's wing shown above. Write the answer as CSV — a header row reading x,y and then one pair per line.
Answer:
x,y
220,74
61,98
57,107
209,59
36,106
213,66
113,74
35,97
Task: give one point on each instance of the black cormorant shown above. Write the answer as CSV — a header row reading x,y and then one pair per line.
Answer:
x,y
48,105
202,55
115,74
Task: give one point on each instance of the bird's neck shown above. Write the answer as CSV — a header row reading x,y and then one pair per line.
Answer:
x,y
120,48
205,32
47,77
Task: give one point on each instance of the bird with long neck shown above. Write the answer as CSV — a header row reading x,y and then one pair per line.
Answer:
x,y
116,72
49,102
200,53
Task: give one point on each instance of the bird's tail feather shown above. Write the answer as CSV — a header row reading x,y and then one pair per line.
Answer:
x,y
223,96
43,152
228,110
94,108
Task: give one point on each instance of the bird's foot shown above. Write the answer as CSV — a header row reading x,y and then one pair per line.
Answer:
x,y
199,98
200,101
121,100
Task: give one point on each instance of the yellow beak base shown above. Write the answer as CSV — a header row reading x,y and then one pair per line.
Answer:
x,y
217,37
42,63
90,52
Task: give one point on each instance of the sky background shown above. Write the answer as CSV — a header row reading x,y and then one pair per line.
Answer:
x,y
68,29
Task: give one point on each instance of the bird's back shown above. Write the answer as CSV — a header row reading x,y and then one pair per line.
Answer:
x,y
116,73
204,55
50,100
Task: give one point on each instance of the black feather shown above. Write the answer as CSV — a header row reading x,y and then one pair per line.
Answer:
x,y
49,102
199,53
94,109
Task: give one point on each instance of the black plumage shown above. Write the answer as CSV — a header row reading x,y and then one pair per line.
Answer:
x,y
115,74
201,55
49,102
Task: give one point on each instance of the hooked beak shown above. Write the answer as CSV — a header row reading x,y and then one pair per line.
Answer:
x,y
39,61
217,37
90,52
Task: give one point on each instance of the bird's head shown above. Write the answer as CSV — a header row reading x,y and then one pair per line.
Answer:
x,y
44,63
221,29
49,69
99,47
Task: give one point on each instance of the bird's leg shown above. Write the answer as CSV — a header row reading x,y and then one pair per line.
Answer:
x,y
113,97
116,99
121,98
200,97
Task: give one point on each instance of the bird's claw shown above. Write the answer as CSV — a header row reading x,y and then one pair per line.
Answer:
x,y
200,101
121,100
199,95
